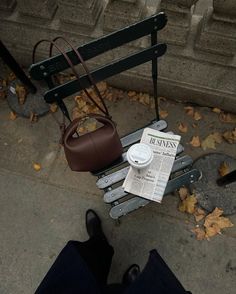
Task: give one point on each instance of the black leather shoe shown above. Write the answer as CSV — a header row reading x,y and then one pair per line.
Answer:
x,y
131,274
93,224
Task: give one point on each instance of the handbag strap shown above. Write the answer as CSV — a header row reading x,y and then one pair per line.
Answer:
x,y
80,58
52,43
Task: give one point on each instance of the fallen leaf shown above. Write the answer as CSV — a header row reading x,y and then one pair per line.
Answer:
x,y
194,125
223,169
183,128
163,113
200,233
230,136
102,86
183,193
197,115
144,99
216,110
21,94
199,214
227,117
189,110
109,96
195,142
92,126
188,204
218,137
53,107
37,166
33,117
12,115
214,222
80,101
131,93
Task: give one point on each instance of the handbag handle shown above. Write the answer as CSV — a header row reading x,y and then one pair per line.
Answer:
x,y
52,43
71,129
88,73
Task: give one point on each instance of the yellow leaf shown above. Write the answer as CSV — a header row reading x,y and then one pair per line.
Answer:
x,y
183,193
230,136
91,126
200,233
214,222
212,231
183,128
227,117
189,110
223,169
208,142
37,166
188,204
163,113
12,115
197,115
21,94
53,107
199,214
216,110
195,142
217,137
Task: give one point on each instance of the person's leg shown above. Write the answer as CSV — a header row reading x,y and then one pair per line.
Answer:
x,y
97,254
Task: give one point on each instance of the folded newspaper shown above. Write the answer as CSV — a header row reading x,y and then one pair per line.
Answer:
x,y
151,182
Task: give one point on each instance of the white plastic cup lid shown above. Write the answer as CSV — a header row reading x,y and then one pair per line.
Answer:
x,y
140,155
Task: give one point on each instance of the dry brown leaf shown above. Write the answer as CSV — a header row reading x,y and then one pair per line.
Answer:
x,y
109,96
216,110
21,94
194,125
214,222
163,113
80,101
200,233
188,204
195,142
53,107
227,117
33,117
230,136
189,110
199,214
37,166
102,86
183,128
131,94
197,115
183,193
223,169
12,115
144,98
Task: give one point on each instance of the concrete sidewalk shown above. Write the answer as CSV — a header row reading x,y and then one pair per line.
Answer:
x,y
41,211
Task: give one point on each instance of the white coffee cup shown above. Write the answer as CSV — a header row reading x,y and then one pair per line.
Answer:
x,y
140,156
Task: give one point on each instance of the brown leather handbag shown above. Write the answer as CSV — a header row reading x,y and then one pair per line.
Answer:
x,y
95,150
